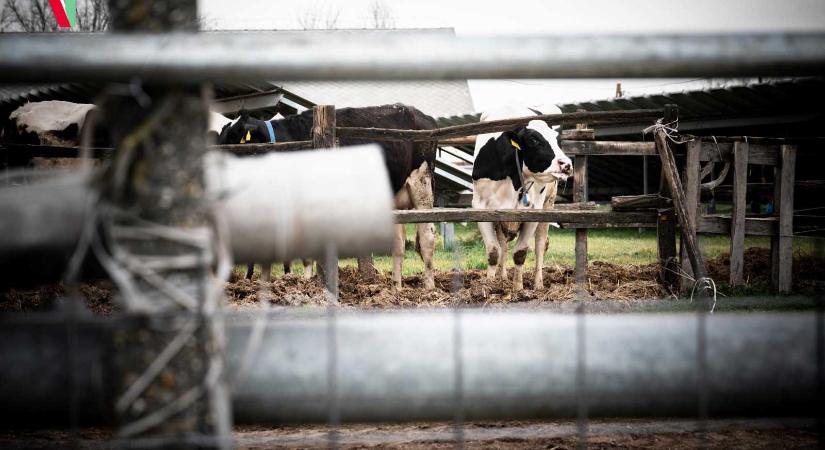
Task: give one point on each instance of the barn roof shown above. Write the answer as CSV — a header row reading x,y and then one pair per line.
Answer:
x,y
779,108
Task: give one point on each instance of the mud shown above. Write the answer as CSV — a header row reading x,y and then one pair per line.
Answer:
x,y
606,281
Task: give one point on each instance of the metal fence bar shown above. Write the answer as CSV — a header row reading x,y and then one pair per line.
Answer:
x,y
400,366
198,57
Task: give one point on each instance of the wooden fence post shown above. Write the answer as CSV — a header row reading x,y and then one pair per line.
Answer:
x,y
666,222
323,136
169,381
674,182
692,193
580,195
782,243
737,220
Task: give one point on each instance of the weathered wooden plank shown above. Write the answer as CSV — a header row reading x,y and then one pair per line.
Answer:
x,y
765,154
584,134
605,148
666,246
576,206
754,226
692,191
737,229
597,117
580,195
675,184
323,136
523,215
639,202
785,231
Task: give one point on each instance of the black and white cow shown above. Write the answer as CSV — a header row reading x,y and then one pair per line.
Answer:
x,y
517,169
61,123
410,164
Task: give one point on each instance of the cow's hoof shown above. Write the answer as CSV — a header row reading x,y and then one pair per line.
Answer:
x,y
518,286
397,286
429,285
538,284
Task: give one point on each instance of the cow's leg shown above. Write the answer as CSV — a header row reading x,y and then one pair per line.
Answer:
x,y
527,232
425,244
308,266
420,188
287,267
266,272
250,269
398,254
541,248
488,235
502,253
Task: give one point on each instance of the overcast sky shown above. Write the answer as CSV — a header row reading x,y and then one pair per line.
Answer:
x,y
479,17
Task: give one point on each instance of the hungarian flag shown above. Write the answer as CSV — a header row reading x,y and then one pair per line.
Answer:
x,y
65,11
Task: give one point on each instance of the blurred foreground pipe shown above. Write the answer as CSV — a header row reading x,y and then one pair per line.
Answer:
x,y
291,205
277,207
238,56
401,367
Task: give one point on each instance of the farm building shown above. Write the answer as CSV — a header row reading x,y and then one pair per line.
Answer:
x,y
264,99
132,316
780,109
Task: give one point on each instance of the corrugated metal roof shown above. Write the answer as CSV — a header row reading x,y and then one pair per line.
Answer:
x,y
785,102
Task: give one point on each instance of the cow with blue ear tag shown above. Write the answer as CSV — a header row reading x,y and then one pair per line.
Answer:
x,y
517,169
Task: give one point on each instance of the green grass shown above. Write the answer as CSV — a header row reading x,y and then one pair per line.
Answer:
x,y
618,246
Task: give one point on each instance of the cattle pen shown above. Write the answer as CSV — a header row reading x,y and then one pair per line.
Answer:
x,y
174,371
645,211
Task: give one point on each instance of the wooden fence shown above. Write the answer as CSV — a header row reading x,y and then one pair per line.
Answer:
x,y
738,151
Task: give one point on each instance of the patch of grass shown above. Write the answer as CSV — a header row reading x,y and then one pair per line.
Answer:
x,y
617,246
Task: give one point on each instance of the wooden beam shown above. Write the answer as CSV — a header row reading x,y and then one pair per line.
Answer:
x,y
666,246
754,226
666,222
323,136
737,229
692,191
674,183
783,263
592,117
523,215
604,148
639,202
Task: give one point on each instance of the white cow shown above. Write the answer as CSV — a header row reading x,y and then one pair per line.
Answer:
x,y
517,169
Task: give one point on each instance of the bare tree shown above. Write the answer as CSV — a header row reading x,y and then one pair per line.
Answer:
x,y
37,16
381,16
320,18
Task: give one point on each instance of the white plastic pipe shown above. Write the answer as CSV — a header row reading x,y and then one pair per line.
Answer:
x,y
282,206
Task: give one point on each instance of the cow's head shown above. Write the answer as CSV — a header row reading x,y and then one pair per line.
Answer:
x,y
244,130
541,154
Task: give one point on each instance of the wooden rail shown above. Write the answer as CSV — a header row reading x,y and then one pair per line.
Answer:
x,y
765,154
582,217
597,117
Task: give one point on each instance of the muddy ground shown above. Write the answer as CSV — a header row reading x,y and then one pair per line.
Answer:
x,y
618,283
600,434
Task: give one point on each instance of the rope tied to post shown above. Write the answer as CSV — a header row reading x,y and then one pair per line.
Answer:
x,y
670,130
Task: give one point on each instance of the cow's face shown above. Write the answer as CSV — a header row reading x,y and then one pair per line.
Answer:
x,y
244,130
540,151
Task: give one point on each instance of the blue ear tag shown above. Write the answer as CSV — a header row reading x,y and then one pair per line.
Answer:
x,y
525,200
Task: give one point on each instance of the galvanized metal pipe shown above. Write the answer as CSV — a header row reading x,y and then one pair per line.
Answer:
x,y
198,57
401,366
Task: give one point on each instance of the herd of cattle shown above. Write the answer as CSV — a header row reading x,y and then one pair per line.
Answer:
x,y
516,169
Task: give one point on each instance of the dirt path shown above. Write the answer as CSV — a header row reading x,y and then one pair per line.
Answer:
x,y
664,434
